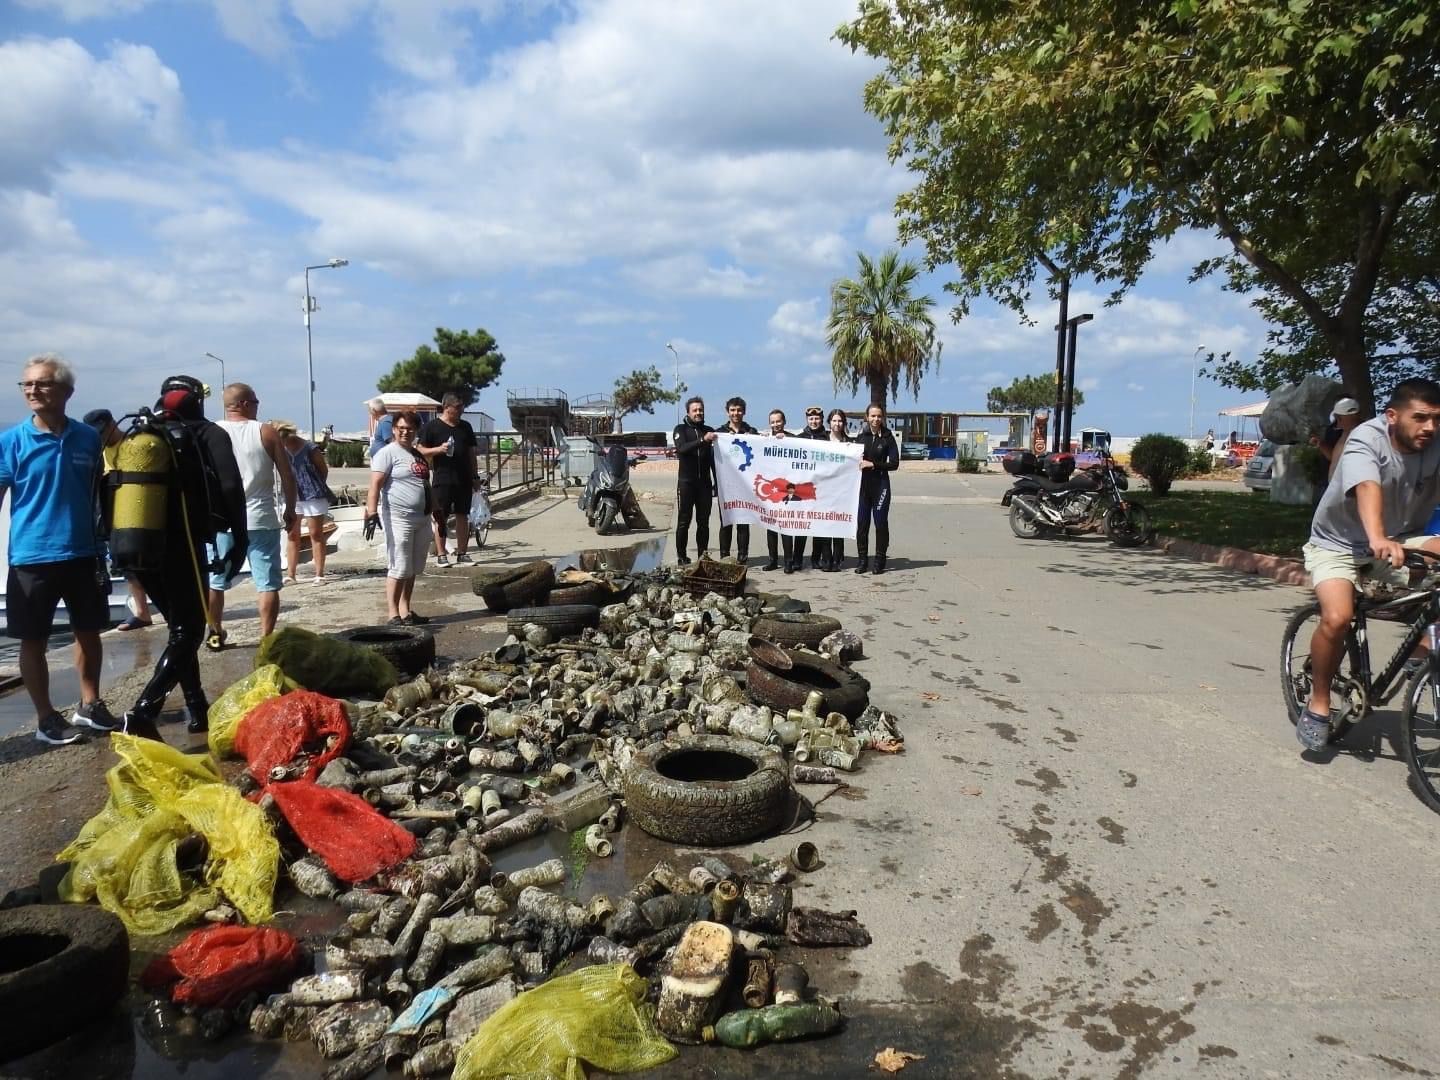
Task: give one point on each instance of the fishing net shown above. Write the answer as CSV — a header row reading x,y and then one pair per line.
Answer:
x,y
301,727
219,965
596,1015
126,856
243,695
355,840
327,665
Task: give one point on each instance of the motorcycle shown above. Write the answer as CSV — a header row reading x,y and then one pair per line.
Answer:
x,y
607,489
1061,501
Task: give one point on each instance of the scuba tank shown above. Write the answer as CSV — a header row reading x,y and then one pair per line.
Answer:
x,y
139,490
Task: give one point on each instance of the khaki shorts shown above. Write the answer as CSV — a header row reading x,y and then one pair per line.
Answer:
x,y
1326,565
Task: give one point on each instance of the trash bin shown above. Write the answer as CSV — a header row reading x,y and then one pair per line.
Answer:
x,y
579,460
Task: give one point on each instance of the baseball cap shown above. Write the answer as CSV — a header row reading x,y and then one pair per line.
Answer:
x,y
99,419
1346,406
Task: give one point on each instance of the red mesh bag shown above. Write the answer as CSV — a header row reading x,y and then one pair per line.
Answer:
x,y
355,840
298,725
218,965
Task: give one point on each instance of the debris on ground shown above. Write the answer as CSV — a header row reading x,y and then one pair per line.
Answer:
x,y
891,1060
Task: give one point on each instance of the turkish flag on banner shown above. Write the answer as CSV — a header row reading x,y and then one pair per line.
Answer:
x,y
802,487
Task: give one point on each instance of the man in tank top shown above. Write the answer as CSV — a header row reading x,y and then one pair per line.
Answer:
x,y
260,454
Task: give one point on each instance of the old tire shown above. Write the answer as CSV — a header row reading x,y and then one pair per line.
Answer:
x,y
410,648
845,692
563,620
505,589
794,628
61,965
583,592
707,790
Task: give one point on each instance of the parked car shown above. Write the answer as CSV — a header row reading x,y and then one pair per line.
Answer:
x,y
914,451
1258,469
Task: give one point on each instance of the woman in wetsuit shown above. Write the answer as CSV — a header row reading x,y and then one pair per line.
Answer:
x,y
832,550
881,458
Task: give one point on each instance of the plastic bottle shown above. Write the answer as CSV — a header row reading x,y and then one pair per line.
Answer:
x,y
746,1028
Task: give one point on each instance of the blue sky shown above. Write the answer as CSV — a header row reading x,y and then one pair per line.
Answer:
x,y
587,180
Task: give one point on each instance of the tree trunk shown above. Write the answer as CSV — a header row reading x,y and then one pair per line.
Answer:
x,y
877,381
1354,365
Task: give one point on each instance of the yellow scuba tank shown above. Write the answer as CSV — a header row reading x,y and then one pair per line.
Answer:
x,y
142,479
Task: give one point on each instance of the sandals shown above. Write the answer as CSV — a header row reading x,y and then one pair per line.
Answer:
x,y
133,623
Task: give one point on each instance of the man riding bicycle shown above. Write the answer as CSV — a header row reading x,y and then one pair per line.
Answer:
x,y
1381,495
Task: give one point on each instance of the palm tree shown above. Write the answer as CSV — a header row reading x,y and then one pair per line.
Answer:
x,y
879,331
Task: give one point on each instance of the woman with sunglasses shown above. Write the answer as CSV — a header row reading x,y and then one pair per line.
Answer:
x,y
399,503
881,458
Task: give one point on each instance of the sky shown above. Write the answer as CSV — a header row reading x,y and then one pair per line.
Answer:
x,y
589,181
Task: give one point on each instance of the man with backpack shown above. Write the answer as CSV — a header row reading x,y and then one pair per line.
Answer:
x,y
206,496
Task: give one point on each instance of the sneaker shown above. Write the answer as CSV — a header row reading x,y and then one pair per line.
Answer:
x,y
95,715
141,726
54,730
464,560
395,620
1313,731
319,579
442,560
414,620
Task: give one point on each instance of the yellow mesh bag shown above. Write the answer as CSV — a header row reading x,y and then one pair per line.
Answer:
x,y
596,1015
234,704
124,857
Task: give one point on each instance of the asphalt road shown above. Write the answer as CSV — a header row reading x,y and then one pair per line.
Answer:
x,y
1101,853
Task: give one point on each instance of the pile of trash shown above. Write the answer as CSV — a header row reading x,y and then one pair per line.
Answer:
x,y
393,809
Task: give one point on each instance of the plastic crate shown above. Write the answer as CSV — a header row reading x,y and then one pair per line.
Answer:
x,y
708,575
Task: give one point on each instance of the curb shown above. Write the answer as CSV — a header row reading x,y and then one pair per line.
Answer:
x,y
1286,571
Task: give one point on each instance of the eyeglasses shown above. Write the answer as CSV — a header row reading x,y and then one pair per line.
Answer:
x,y
38,384
403,430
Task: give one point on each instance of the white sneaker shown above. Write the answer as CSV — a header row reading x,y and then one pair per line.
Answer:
x,y
442,560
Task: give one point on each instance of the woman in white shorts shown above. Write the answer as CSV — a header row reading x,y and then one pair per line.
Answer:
x,y
308,464
399,503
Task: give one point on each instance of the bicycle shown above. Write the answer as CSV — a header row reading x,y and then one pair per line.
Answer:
x,y
480,515
1355,692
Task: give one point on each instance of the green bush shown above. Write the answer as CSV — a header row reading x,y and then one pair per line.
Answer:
x,y
1159,459
345,455
1311,462
1200,462
967,463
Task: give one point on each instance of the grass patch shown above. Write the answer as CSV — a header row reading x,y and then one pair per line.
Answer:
x,y
1231,519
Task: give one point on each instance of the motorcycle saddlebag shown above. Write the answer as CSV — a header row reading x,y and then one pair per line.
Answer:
x,y
1058,467
1025,463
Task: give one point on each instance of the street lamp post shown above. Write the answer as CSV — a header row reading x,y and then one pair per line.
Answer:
x,y
333,264
217,359
1194,362
1072,327
677,380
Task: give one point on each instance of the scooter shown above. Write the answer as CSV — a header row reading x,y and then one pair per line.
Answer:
x,y
607,490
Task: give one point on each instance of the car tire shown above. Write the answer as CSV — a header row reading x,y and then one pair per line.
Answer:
x,y
563,620
744,797
61,965
845,692
411,649
583,592
502,590
795,628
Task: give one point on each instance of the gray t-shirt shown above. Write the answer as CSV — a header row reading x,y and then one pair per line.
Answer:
x,y
1409,489
405,475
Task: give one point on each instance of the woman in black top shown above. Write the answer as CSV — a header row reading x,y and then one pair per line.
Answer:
x,y
814,429
882,457
832,549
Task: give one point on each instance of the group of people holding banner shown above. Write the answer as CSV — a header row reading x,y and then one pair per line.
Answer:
x,y
820,485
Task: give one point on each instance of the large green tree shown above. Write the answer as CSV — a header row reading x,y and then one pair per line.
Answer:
x,y
463,362
1027,393
641,391
1084,134
879,330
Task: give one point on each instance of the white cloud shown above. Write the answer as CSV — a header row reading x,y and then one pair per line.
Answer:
x,y
1089,384
1134,388
799,319
79,10
62,102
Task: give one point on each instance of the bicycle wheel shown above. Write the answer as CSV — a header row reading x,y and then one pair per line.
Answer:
x,y
1295,674
1420,735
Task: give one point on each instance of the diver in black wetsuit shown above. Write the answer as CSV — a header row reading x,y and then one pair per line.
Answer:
x,y
814,429
882,457
735,425
775,541
695,453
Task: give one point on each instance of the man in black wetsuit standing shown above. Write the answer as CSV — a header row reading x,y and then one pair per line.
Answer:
x,y
735,425
695,452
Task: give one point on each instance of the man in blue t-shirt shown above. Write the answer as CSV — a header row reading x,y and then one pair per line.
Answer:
x,y
384,425
51,466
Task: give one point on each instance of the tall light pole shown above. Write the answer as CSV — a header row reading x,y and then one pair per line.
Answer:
x,y
1072,325
1194,363
217,359
677,379
333,264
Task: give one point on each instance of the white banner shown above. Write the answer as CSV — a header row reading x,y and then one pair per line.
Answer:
x,y
803,487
